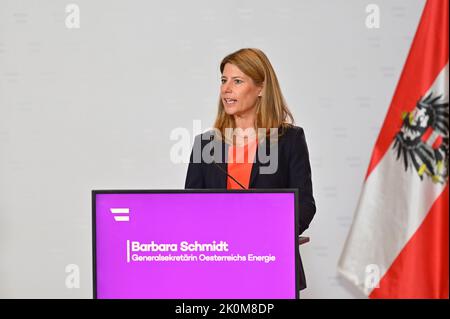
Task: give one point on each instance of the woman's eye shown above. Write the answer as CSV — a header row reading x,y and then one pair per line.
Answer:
x,y
223,81
238,81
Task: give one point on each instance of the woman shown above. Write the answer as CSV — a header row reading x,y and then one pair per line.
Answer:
x,y
250,104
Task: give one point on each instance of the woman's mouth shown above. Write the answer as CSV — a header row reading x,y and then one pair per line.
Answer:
x,y
230,101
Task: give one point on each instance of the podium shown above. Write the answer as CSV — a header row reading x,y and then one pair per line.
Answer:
x,y
196,244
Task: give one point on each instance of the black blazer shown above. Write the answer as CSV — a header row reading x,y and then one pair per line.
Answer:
x,y
293,171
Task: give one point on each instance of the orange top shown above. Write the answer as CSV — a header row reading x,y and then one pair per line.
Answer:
x,y
240,163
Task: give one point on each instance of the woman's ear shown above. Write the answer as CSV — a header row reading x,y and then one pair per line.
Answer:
x,y
262,88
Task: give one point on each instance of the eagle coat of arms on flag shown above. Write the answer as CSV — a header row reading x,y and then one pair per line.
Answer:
x,y
422,141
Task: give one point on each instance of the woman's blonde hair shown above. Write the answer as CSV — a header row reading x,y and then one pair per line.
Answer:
x,y
271,108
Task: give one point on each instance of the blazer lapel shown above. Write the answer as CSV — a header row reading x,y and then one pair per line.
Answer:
x,y
223,164
255,169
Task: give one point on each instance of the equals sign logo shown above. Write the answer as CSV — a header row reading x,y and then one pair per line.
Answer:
x,y
121,214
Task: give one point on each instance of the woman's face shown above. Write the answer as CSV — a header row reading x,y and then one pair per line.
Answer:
x,y
238,91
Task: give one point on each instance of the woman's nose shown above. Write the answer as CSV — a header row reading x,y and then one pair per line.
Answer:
x,y
226,88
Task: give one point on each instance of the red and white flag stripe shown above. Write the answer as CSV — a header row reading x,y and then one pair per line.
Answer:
x,y
398,243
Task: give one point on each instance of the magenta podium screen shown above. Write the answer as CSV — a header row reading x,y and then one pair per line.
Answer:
x,y
195,244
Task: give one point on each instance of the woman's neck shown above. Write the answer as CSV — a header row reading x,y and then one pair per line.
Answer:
x,y
244,136
246,121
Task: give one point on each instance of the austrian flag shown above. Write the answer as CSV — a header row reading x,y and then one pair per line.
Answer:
x,y
398,244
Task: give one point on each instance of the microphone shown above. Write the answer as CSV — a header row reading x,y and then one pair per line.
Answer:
x,y
220,168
